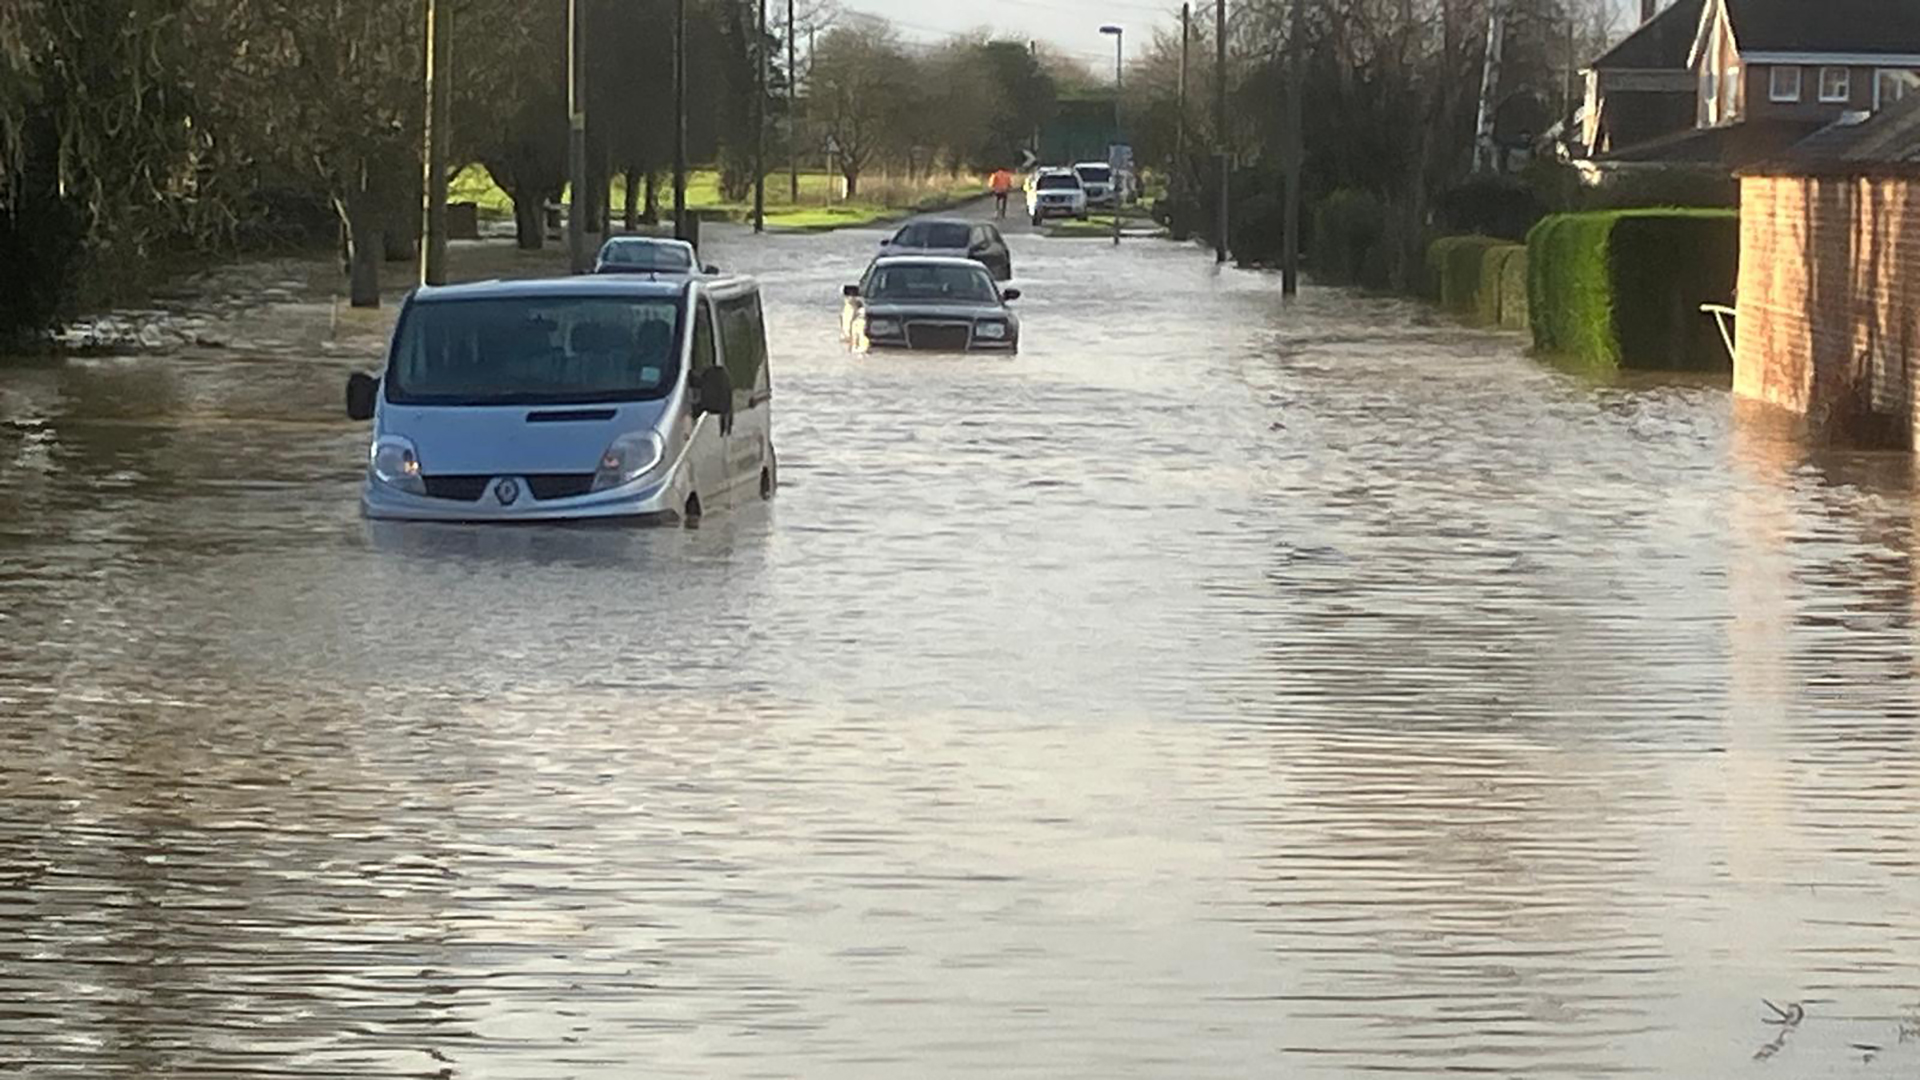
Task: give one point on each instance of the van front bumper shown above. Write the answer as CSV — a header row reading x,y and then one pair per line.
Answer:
x,y
661,500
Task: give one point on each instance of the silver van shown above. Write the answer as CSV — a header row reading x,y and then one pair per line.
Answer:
x,y
574,398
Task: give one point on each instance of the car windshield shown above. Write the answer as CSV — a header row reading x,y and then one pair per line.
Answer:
x,y
1059,180
535,350
944,234
1095,174
627,256
932,284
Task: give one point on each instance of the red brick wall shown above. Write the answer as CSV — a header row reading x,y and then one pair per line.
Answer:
x,y
1829,303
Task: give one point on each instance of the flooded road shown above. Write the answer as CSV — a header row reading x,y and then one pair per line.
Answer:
x,y
1218,689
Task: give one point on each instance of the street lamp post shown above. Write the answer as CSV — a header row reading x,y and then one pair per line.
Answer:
x,y
1119,34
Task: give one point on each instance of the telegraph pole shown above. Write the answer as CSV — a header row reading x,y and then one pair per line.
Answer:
x,y
793,114
576,143
1220,128
1186,46
1296,151
433,242
680,120
760,119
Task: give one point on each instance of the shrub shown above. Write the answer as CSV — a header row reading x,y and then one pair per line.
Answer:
x,y
1349,234
1624,288
1513,289
1499,206
1456,266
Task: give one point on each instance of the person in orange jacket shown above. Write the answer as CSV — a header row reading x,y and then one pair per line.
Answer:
x,y
1002,188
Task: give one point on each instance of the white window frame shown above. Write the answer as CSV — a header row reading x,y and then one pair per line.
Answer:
x,y
1880,79
1846,85
1775,93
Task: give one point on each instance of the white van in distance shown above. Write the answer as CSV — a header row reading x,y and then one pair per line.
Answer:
x,y
575,398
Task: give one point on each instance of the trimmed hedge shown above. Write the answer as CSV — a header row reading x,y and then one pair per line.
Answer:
x,y
1465,275
1624,287
1513,290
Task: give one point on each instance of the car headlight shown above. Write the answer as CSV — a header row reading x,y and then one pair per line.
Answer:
x,y
991,331
883,327
630,458
393,461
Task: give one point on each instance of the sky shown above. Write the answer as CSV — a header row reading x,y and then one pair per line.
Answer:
x,y
1070,26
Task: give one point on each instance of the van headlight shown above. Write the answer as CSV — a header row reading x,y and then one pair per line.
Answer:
x,y
394,462
991,331
883,327
630,458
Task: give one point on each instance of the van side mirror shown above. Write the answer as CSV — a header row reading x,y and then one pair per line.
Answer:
x,y
1010,294
713,392
363,390
851,292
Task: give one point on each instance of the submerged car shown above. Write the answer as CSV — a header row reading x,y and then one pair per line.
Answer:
x,y
574,398
955,239
930,303
648,255
1056,193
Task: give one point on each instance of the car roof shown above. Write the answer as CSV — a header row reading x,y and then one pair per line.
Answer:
x,y
647,241
635,286
927,260
962,222
1094,165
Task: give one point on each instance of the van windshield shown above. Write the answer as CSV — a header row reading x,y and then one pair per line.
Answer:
x,y
1095,174
1055,181
535,351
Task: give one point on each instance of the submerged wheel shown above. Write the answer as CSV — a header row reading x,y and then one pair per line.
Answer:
x,y
691,513
769,475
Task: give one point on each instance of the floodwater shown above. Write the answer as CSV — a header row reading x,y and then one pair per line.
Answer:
x,y
1220,689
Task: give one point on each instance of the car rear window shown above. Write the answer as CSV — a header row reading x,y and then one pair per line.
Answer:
x,y
933,235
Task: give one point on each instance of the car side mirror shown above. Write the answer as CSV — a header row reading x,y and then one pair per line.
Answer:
x,y
363,390
1010,294
713,392
851,292
710,269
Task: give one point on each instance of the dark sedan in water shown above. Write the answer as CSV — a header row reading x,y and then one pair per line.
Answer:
x,y
930,303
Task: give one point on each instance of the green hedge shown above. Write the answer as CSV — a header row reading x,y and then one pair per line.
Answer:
x,y
1513,290
1350,239
1455,265
1465,275
1624,288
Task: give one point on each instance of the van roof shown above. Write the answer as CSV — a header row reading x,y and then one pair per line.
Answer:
x,y
584,285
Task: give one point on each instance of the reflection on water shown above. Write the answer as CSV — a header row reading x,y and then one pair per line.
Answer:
x,y
1219,689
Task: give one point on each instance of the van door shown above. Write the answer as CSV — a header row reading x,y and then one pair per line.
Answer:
x,y
707,448
744,336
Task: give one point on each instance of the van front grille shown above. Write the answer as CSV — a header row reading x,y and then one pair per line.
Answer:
x,y
560,485
456,488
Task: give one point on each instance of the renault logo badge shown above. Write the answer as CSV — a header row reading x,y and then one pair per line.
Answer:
x,y
508,492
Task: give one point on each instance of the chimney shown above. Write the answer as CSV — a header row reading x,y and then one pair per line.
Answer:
x,y
1648,9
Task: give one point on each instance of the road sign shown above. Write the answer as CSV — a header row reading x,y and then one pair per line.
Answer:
x,y
1028,161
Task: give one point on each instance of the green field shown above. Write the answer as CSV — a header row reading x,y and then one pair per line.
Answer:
x,y
881,197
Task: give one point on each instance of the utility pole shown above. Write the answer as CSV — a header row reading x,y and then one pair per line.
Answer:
x,y
1186,46
760,118
793,114
1119,95
576,143
1220,129
439,114
680,120
1296,149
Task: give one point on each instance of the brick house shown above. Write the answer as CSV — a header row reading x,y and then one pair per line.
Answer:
x,y
1803,60
1828,320
1642,88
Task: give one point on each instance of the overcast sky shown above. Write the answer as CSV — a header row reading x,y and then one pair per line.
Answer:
x,y
1069,25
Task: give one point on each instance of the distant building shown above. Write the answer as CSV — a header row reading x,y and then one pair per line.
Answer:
x,y
1760,74
1828,319
1642,89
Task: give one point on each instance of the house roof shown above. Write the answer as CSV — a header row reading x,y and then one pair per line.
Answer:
x,y
1864,27
1661,42
1731,147
1886,144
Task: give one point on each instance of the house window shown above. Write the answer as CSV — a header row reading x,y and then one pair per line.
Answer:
x,y
1783,83
1891,85
1836,84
